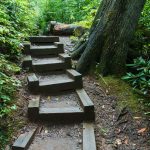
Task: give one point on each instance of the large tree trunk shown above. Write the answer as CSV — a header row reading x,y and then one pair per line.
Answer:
x,y
110,34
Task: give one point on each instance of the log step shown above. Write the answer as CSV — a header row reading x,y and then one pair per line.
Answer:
x,y
87,104
58,81
64,114
44,39
50,64
27,62
88,137
41,64
24,140
56,104
47,64
45,50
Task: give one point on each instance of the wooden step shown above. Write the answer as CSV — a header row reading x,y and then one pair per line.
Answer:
x,y
24,140
64,114
33,108
44,39
87,104
53,82
56,82
55,102
47,63
27,62
50,64
88,137
45,50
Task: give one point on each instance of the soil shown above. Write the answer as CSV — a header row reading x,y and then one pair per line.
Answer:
x,y
58,137
63,99
53,78
116,130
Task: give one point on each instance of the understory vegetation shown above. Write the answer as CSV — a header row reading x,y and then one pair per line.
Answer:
x,y
16,23
19,19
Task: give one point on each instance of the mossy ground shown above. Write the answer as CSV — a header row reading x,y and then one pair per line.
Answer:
x,y
124,93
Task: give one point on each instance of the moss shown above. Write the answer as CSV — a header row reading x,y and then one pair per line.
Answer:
x,y
124,93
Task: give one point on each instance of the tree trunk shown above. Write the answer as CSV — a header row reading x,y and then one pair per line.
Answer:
x,y
110,34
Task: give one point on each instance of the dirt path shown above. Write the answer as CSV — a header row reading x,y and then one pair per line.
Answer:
x,y
114,129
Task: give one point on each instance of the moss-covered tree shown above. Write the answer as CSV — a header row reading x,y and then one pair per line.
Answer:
x,y
109,36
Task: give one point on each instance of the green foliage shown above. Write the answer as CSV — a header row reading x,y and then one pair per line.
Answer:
x,y
145,17
140,76
8,85
65,11
16,23
141,42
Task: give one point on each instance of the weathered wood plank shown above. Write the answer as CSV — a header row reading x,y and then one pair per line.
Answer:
x,y
27,61
88,137
44,39
33,108
24,140
87,104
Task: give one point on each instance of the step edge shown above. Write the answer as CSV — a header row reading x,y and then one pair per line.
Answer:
x,y
89,135
28,136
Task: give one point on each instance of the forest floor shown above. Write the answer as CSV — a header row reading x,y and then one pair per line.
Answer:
x,y
115,129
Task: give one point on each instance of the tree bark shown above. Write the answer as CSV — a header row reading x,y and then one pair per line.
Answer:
x,y
110,35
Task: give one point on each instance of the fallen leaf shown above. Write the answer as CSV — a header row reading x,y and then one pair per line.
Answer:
x,y
46,131
137,117
126,141
48,97
117,143
142,130
57,99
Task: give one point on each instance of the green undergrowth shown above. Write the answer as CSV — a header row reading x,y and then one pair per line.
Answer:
x,y
8,91
125,94
17,22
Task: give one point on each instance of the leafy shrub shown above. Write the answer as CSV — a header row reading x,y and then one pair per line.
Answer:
x,y
141,40
8,85
73,11
140,76
8,88
16,23
145,17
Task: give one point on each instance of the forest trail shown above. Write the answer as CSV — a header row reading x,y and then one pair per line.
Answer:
x,y
115,129
62,112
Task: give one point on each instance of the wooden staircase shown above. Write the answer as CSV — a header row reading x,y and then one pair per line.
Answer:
x,y
51,74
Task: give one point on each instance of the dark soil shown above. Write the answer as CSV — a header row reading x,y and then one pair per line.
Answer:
x,y
116,130
58,137
63,99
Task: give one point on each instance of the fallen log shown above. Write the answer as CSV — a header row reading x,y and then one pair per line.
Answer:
x,y
57,28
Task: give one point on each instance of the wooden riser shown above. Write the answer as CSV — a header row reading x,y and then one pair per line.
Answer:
x,y
61,82
36,50
24,140
48,64
64,86
86,111
72,114
44,39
